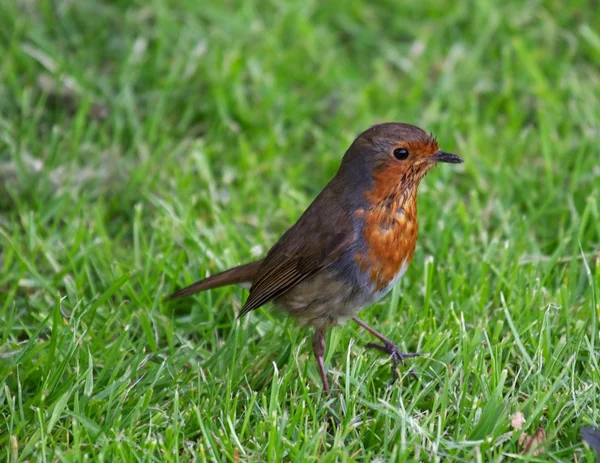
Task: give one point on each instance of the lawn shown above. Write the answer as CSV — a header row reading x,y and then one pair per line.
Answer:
x,y
144,145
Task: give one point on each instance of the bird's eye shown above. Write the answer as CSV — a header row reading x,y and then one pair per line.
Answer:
x,y
401,154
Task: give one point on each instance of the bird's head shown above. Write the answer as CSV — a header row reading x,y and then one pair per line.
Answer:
x,y
394,157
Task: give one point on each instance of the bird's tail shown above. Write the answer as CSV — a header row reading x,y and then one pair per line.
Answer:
x,y
241,274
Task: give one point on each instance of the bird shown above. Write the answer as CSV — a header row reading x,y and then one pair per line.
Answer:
x,y
350,246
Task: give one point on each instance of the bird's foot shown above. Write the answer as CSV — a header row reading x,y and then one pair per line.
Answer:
x,y
397,356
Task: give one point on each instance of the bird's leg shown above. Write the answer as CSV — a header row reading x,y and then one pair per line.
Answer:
x,y
388,347
318,343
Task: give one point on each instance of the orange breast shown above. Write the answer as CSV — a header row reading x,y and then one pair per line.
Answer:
x,y
390,233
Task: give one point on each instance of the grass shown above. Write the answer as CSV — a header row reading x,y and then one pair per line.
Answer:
x,y
146,144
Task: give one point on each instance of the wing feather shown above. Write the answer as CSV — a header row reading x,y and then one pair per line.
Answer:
x,y
280,272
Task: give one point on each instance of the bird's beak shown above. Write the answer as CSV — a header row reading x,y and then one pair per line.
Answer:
x,y
442,156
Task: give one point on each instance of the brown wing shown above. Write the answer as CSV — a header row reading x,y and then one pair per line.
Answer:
x,y
318,238
281,272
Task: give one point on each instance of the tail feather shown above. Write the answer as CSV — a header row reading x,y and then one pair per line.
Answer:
x,y
241,274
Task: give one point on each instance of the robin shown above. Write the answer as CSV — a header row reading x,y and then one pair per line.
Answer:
x,y
352,244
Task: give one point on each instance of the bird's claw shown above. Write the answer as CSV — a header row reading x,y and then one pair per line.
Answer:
x,y
396,355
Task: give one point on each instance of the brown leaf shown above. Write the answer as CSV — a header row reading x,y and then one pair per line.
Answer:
x,y
534,444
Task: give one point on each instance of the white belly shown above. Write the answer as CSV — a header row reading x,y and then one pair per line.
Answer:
x,y
383,291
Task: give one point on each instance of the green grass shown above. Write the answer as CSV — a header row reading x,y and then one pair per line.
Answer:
x,y
193,135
